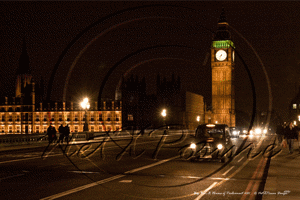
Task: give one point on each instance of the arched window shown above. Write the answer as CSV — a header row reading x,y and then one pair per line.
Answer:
x,y
108,116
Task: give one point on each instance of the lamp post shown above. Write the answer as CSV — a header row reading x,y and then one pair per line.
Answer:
x,y
198,119
85,105
164,114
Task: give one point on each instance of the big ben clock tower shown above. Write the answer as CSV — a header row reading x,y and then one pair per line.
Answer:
x,y
222,65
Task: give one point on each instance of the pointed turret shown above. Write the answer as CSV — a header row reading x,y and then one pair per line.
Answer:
x,y
222,32
24,61
24,82
222,17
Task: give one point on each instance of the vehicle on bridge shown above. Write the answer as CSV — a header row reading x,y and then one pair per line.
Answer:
x,y
212,141
235,133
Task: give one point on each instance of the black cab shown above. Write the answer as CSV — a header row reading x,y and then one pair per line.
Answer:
x,y
212,141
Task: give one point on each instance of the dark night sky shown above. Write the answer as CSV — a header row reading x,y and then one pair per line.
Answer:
x,y
181,34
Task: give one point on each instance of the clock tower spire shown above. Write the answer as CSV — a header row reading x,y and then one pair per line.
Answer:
x,y
222,65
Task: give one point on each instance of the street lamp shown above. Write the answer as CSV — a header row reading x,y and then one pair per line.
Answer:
x,y
164,114
85,105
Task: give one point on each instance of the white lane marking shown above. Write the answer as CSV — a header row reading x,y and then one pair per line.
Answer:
x,y
125,181
240,159
151,165
55,196
8,161
84,172
224,180
195,177
228,171
206,190
83,187
12,176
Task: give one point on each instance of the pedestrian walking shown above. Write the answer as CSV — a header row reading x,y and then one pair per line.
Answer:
x,y
290,134
61,134
279,133
297,129
67,133
51,132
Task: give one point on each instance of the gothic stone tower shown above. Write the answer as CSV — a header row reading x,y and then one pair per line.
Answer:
x,y
222,64
24,83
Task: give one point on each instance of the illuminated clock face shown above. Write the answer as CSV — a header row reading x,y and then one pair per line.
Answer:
x,y
221,55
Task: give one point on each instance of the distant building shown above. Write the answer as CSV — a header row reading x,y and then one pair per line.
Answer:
x,y
140,110
27,113
195,111
294,109
183,107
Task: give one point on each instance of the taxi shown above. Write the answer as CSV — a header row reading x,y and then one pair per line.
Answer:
x,y
212,141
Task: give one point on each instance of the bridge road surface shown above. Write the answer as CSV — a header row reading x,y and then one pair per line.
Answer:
x,y
118,172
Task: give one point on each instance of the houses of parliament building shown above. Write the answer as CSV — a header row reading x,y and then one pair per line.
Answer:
x,y
28,113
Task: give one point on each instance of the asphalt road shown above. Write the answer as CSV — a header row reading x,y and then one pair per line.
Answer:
x,y
133,168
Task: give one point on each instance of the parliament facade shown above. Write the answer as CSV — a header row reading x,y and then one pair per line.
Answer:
x,y
28,113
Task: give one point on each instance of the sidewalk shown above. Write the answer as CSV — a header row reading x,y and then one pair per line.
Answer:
x,y
283,180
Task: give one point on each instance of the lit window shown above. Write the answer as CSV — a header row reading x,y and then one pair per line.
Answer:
x,y
108,116
45,129
294,106
130,117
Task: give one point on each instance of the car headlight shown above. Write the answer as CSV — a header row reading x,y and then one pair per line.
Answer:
x,y
220,146
265,131
258,131
193,146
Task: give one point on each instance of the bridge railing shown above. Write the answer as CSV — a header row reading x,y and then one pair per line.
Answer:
x,y
14,139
